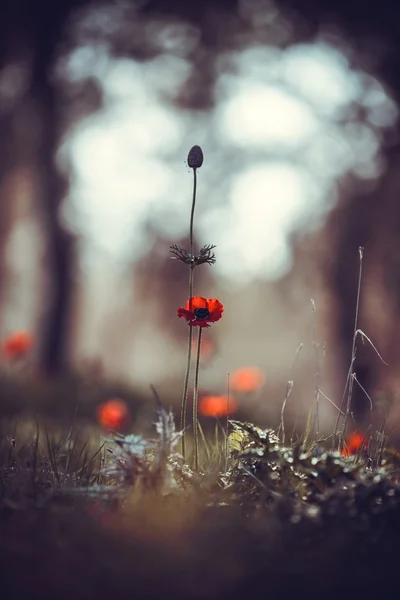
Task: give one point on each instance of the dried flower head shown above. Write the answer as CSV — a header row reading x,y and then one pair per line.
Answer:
x,y
195,157
18,344
201,311
206,255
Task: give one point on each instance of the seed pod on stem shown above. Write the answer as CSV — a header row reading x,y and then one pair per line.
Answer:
x,y
195,157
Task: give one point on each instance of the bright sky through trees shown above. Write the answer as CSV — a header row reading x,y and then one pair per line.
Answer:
x,y
284,129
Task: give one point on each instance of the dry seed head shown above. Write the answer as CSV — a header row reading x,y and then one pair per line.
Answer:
x,y
206,255
195,157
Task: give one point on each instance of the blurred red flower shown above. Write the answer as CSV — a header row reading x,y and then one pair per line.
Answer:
x,y
207,348
18,344
113,414
217,406
246,379
201,311
354,443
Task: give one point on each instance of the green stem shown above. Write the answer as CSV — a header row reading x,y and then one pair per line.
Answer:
x,y
190,337
195,402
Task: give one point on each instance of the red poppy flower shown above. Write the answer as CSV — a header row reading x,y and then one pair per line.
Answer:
x,y
355,442
17,344
113,414
201,311
247,379
207,348
217,406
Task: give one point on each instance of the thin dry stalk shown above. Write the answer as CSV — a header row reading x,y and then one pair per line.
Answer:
x,y
203,437
227,426
289,389
354,349
350,380
317,377
332,402
364,390
351,376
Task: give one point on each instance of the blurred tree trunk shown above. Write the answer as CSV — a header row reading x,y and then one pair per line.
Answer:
x,y
7,159
6,162
30,131
51,191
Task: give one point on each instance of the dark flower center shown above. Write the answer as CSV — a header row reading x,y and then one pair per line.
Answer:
x,y
201,313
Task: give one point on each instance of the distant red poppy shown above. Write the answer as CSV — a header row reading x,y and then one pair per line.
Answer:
x,y
113,414
18,344
217,406
246,379
355,442
201,311
207,348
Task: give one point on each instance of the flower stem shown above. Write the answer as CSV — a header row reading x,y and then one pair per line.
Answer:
x,y
186,381
190,337
195,399
192,214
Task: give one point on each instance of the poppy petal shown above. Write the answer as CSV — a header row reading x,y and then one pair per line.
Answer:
x,y
182,312
215,307
214,304
196,302
215,312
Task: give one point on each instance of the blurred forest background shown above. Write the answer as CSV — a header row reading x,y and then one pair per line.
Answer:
x,y
295,105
